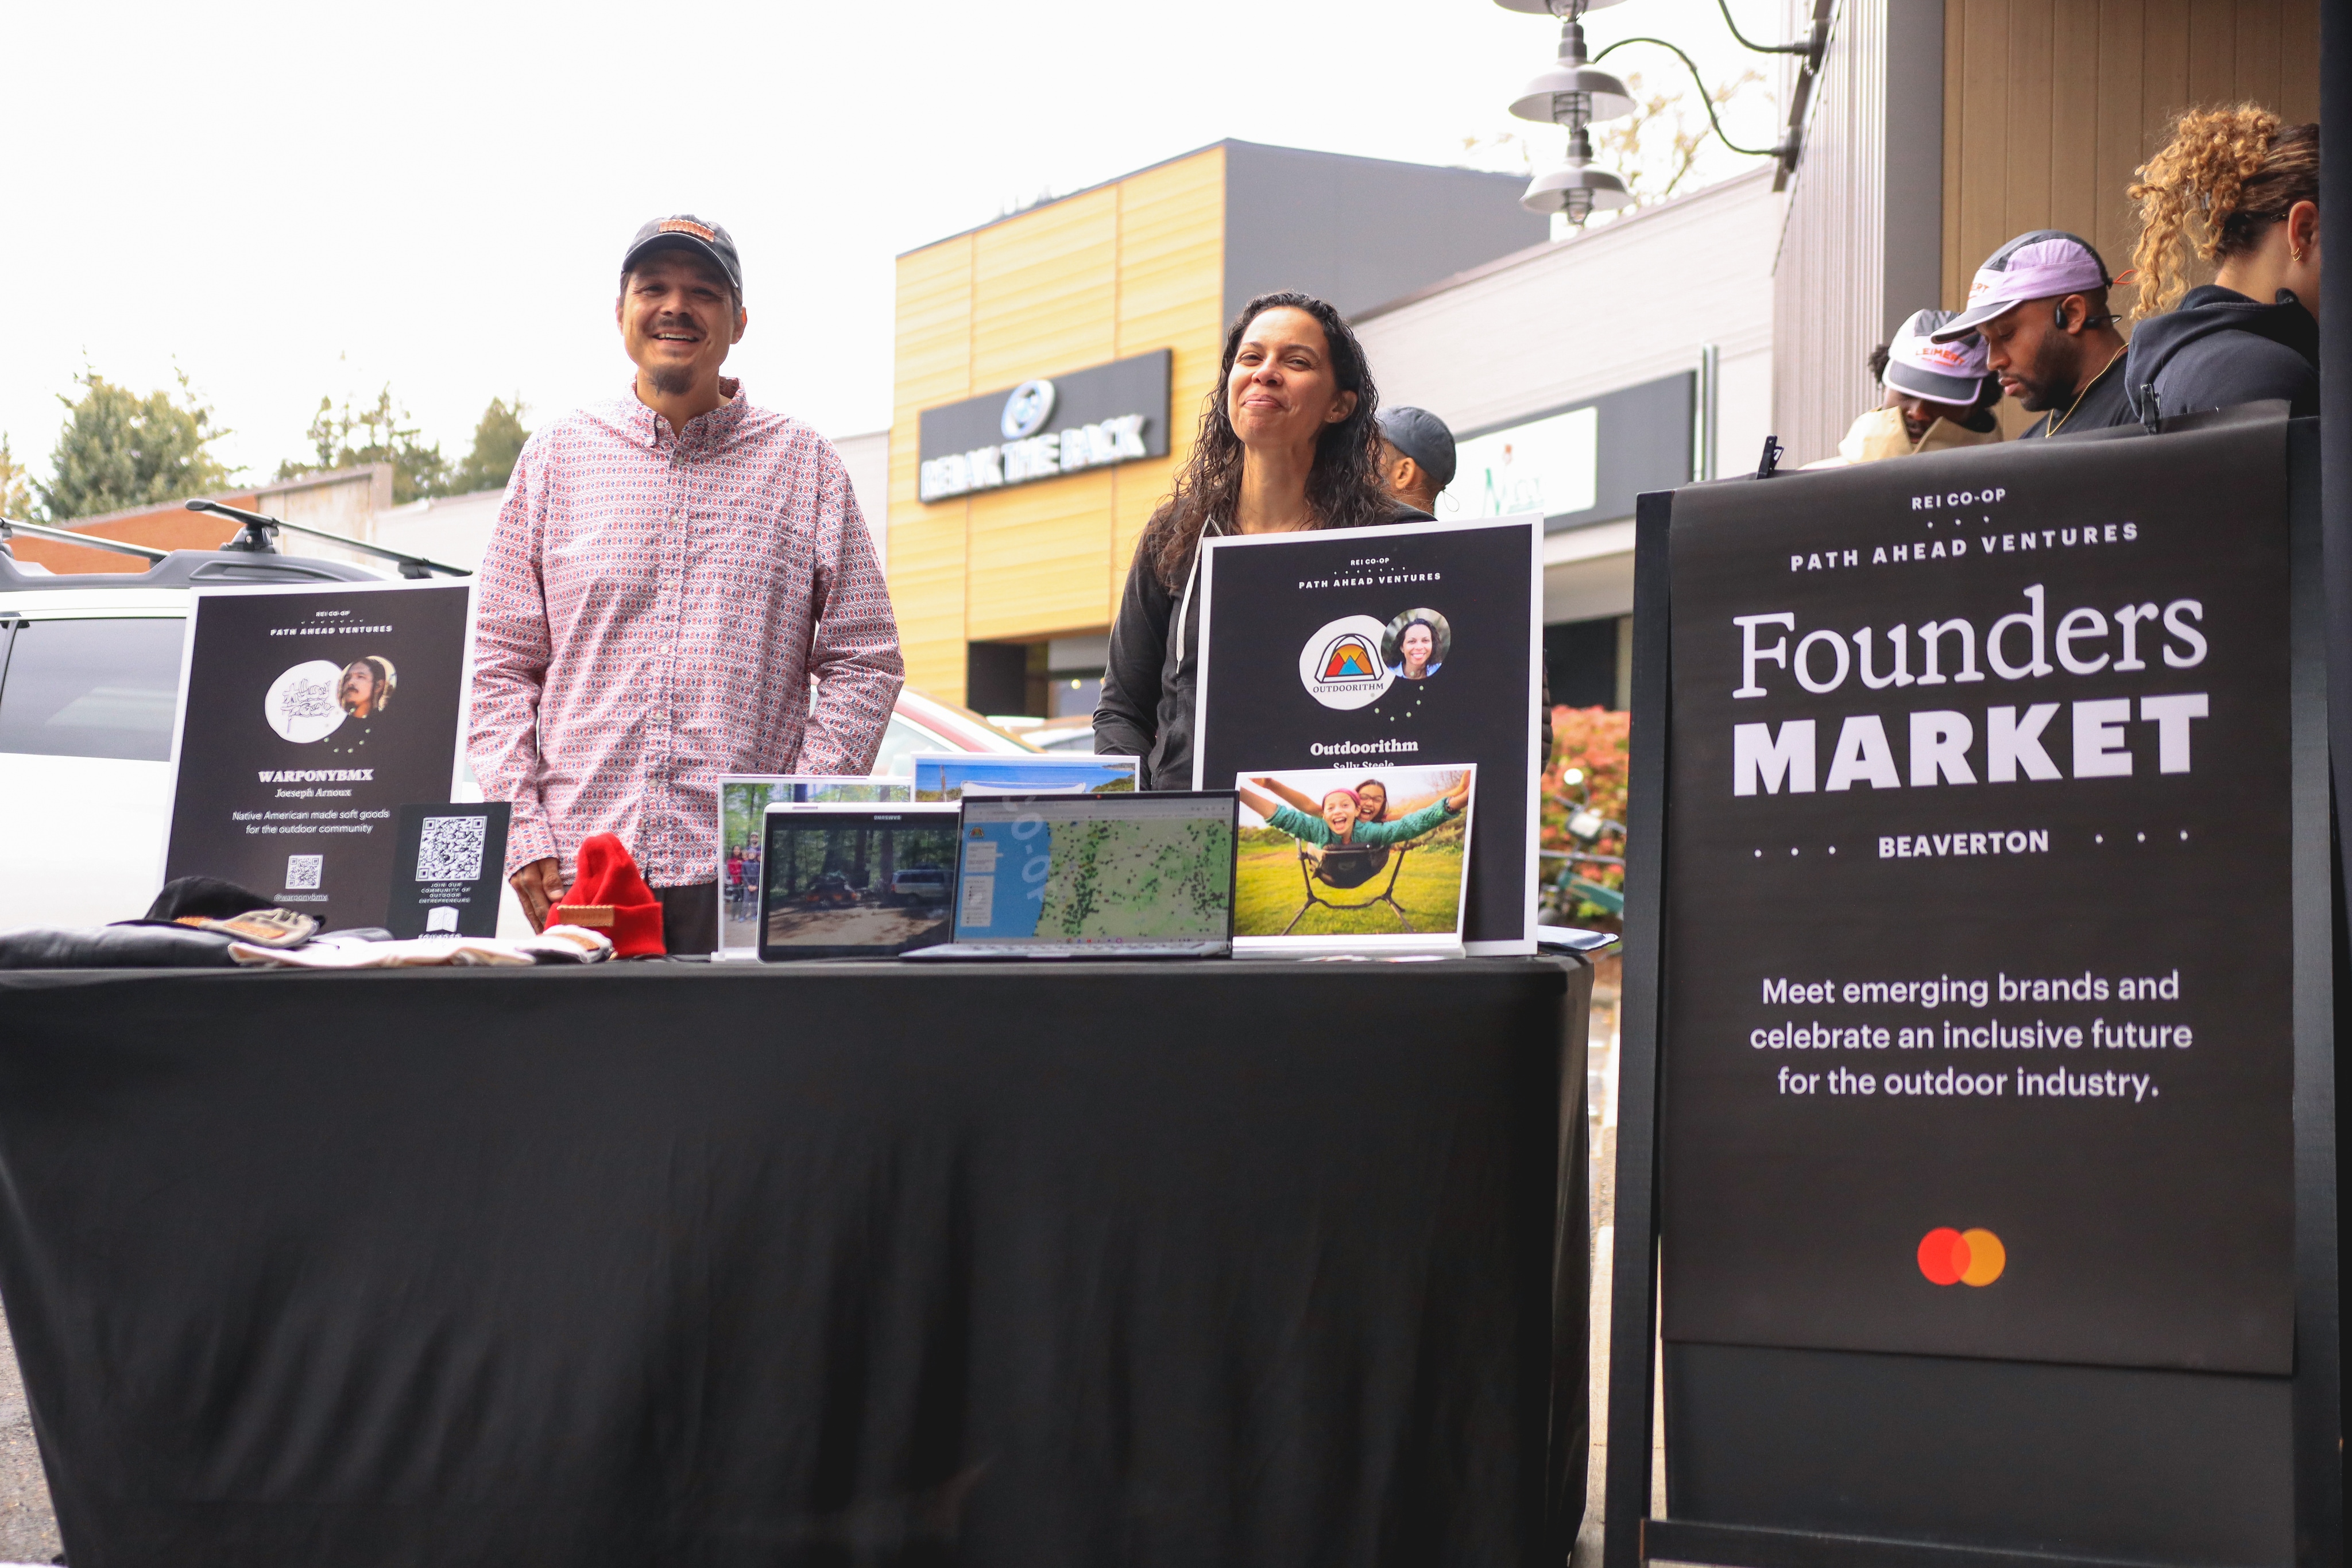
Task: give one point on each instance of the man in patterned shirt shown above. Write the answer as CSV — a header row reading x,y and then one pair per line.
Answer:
x,y
668,574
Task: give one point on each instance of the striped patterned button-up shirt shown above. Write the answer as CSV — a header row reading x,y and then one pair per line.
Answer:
x,y
649,615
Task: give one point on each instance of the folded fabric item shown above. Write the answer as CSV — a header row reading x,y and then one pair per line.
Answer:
x,y
137,947
262,927
556,945
609,894
204,897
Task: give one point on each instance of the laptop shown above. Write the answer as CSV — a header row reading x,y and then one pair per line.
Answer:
x,y
854,881
743,801
1120,875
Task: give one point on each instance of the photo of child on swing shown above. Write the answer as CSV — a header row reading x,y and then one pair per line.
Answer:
x,y
1373,851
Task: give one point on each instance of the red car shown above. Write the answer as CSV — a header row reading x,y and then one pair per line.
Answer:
x,y
927,724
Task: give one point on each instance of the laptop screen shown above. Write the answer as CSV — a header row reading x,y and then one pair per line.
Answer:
x,y
846,880
1101,868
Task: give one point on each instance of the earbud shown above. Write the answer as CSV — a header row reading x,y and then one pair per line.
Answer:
x,y
2058,318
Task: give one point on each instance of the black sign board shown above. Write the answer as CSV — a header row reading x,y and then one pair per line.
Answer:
x,y
448,870
1301,669
307,718
1981,818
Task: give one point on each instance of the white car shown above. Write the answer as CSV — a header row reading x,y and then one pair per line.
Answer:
x,y
89,676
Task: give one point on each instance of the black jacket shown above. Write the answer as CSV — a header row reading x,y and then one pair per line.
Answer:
x,y
1145,708
2220,349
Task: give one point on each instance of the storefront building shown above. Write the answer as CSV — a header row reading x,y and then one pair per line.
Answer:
x,y
1051,368
1636,355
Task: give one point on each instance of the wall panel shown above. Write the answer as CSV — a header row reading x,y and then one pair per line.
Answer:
x,y
1039,559
1046,291
933,356
1171,283
1830,299
2048,111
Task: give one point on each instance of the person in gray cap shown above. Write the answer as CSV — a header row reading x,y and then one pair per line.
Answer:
x,y
680,585
1416,457
1937,396
2039,303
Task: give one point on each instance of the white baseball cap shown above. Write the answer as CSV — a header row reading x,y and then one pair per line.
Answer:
x,y
2047,264
1949,373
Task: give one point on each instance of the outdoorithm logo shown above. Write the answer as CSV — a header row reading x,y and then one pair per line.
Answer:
x,y
1949,1257
1340,664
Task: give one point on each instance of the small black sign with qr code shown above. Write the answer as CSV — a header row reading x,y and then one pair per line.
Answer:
x,y
447,870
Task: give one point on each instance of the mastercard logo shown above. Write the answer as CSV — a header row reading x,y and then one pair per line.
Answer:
x,y
1949,1257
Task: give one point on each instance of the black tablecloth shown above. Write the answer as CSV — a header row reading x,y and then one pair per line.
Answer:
x,y
1206,1264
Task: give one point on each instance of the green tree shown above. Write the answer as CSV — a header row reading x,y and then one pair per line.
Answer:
x,y
119,450
497,442
16,486
348,438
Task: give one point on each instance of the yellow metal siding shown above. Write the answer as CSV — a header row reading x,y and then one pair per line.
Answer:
x,y
1046,291
1134,266
927,543
1039,558
1172,295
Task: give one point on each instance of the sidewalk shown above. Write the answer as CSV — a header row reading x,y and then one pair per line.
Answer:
x,y
28,1530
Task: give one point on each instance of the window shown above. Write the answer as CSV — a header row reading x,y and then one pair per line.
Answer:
x,y
900,743
91,688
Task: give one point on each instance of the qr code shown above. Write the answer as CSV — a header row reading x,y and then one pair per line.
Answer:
x,y
450,849
303,872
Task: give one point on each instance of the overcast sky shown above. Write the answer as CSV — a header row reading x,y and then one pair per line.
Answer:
x,y
291,200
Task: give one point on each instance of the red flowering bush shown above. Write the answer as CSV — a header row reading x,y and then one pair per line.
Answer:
x,y
1594,740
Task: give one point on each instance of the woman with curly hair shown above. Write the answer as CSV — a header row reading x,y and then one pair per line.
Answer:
x,y
2236,187
1287,442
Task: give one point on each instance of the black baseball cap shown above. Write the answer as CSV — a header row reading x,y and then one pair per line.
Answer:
x,y
686,232
1423,437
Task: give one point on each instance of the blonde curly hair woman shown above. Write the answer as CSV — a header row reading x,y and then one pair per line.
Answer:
x,y
2236,187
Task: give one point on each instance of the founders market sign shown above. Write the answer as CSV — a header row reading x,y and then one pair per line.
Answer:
x,y
1988,948
1041,429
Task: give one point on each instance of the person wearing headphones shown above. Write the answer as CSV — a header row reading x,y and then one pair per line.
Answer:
x,y
2039,303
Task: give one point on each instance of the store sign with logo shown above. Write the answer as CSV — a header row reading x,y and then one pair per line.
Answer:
x,y
1043,429
1579,464
1550,466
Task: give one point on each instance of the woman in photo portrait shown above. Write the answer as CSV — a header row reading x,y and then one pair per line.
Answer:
x,y
1338,821
1371,798
1416,645
1413,651
1362,861
1288,442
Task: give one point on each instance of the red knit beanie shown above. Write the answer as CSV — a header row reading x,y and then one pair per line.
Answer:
x,y
609,895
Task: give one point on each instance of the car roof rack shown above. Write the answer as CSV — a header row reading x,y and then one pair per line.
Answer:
x,y
170,569
251,557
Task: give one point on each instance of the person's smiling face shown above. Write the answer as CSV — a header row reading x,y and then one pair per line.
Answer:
x,y
1339,813
1281,391
1374,799
678,318
1418,644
